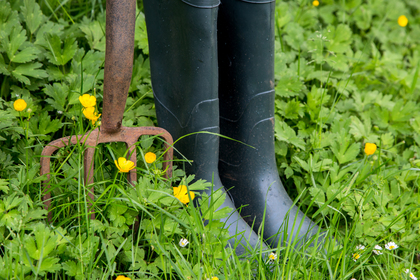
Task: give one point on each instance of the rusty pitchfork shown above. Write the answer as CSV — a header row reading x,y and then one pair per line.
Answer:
x,y
120,22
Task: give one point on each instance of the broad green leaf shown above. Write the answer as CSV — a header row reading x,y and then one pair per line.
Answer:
x,y
343,148
294,35
387,140
58,54
94,32
302,163
48,27
4,185
285,133
283,15
363,17
6,121
72,269
12,43
397,223
291,109
85,249
3,67
361,129
115,214
326,13
32,15
318,195
35,214
8,20
42,125
93,62
339,38
135,257
338,62
315,99
313,164
289,86
140,35
23,71
11,219
49,265
25,55
211,206
12,201
403,112
58,93
141,73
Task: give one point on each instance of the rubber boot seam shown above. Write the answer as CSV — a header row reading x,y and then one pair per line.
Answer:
x,y
210,6
190,115
247,105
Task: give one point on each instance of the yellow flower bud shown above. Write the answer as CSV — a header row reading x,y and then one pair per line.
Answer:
x,y
19,105
402,21
150,157
370,148
122,277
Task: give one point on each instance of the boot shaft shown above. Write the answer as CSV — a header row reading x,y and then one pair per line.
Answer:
x,y
183,61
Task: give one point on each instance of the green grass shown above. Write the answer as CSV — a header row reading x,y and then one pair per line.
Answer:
x,y
346,74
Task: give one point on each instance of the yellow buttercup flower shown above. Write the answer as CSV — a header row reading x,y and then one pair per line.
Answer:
x,y
402,21
315,3
122,277
90,114
19,105
87,100
150,157
356,256
370,148
124,165
181,193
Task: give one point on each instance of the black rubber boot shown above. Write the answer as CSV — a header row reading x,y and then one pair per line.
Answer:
x,y
246,92
183,61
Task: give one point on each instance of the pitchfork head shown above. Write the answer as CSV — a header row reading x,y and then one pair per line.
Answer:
x,y
128,135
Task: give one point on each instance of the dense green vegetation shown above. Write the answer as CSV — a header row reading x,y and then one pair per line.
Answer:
x,y
346,75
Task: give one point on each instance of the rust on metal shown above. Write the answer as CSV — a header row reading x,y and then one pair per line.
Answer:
x,y
120,21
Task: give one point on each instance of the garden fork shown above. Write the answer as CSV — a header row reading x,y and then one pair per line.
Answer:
x,y
120,22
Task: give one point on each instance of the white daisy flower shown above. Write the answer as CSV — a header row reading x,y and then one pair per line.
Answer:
x,y
353,279
377,250
360,247
272,257
410,274
183,242
391,246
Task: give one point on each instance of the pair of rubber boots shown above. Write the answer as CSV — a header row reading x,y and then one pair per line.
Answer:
x,y
212,68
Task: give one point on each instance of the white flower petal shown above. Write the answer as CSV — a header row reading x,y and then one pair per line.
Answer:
x,y
183,242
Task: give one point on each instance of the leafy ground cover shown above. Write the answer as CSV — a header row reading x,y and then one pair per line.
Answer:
x,y
346,75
